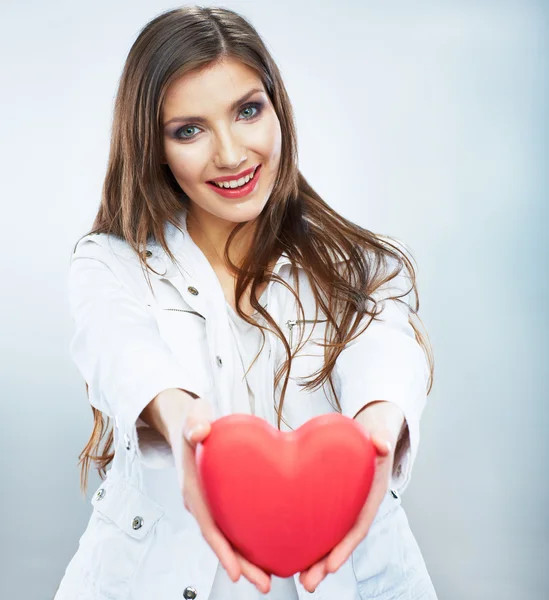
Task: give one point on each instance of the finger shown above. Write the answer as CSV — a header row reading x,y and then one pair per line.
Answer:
x,y
341,552
197,431
345,548
213,536
198,418
382,445
313,576
254,574
194,499
224,552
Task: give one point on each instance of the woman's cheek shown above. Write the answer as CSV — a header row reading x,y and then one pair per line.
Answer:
x,y
274,134
185,165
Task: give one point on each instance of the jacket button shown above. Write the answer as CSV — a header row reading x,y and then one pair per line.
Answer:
x,y
192,290
137,523
395,495
100,494
148,254
127,443
190,593
219,361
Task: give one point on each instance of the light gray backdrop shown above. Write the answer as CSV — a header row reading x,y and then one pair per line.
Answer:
x,y
424,120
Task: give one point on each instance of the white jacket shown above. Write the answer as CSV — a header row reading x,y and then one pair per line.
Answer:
x,y
130,344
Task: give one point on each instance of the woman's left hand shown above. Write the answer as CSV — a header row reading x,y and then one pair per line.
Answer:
x,y
382,421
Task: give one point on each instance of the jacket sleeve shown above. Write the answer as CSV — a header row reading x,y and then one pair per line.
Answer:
x,y
116,345
386,362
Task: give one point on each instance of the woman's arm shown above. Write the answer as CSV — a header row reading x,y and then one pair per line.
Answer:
x,y
383,416
131,372
381,421
166,411
116,344
386,362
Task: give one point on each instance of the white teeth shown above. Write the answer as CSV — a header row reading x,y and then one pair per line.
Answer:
x,y
235,182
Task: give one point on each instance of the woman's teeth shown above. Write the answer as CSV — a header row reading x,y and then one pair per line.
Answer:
x,y
236,182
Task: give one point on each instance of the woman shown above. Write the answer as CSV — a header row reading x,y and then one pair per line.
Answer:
x,y
194,298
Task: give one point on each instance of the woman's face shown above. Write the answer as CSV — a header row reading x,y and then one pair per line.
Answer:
x,y
215,126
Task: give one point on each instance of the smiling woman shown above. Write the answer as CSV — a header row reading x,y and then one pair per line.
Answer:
x,y
236,131
214,281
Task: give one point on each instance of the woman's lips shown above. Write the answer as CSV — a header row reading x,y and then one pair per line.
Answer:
x,y
238,192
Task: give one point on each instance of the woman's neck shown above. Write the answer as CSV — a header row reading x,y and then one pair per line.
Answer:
x,y
211,235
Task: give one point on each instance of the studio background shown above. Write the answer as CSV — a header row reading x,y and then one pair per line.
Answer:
x,y
423,120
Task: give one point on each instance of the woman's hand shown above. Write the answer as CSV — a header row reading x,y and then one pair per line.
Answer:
x,y
193,427
382,421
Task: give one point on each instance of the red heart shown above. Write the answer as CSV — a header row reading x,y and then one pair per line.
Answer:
x,y
285,499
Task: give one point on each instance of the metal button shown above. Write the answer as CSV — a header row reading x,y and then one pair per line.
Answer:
x,y
219,361
190,593
127,442
100,494
137,523
148,254
395,495
192,290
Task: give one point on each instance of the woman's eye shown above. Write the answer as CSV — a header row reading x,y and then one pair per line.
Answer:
x,y
180,134
253,105
181,130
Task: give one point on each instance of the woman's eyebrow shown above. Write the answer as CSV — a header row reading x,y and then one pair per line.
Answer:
x,y
234,105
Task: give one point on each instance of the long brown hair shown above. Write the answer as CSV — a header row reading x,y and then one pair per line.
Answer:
x,y
140,194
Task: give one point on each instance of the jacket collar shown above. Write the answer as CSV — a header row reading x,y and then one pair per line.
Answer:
x,y
178,240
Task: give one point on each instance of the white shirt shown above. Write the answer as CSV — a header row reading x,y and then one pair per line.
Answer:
x,y
248,341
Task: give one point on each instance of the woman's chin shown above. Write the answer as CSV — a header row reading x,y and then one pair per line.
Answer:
x,y
234,211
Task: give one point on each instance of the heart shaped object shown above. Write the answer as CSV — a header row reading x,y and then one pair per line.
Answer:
x,y
285,499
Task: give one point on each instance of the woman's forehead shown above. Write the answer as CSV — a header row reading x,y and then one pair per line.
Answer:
x,y
210,90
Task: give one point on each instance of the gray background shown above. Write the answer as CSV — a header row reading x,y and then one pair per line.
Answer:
x,y
424,120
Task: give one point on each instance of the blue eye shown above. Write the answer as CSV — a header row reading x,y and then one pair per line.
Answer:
x,y
258,106
186,128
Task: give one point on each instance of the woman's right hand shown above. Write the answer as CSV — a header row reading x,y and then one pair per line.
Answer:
x,y
193,428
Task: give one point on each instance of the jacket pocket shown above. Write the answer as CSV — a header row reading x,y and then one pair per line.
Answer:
x,y
384,561
119,535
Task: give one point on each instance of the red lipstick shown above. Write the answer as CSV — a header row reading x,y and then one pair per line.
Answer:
x,y
232,177
237,192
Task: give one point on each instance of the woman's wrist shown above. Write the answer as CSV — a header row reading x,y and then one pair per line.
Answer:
x,y
166,412
383,417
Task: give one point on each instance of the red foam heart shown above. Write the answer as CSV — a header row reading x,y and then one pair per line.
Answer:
x,y
285,499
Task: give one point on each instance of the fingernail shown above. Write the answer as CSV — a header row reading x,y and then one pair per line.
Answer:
x,y
389,446
196,429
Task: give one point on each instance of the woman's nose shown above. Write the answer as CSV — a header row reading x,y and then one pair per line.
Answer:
x,y
229,151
